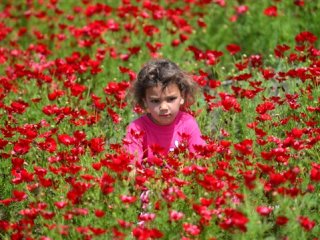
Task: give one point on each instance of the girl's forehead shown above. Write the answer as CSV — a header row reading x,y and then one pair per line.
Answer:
x,y
158,89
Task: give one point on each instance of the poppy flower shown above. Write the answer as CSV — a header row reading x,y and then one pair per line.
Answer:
x,y
299,3
191,229
234,219
306,37
96,145
280,50
264,210
18,106
61,204
150,30
233,48
244,147
264,107
22,146
3,143
99,213
142,232
147,217
66,140
114,116
242,9
306,223
55,94
281,220
19,195
315,172
271,11
229,102
49,145
128,199
175,215
106,183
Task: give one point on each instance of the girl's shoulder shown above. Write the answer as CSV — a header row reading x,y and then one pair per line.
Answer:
x,y
186,121
138,123
185,116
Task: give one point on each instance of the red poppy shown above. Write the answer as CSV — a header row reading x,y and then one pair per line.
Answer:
x,y
96,145
306,223
241,9
55,94
17,162
49,145
18,106
201,23
77,89
244,147
146,233
147,217
213,57
97,231
276,178
280,50
99,213
264,210
234,219
249,178
175,215
281,220
229,102
233,48
271,11
191,229
262,108
221,3
19,195
306,37
66,139
106,183
61,204
154,48
124,224
150,30
128,199
22,146
315,172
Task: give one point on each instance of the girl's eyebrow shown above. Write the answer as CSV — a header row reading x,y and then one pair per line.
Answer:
x,y
169,96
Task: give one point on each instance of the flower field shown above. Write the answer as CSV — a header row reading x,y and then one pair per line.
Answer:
x,y
65,70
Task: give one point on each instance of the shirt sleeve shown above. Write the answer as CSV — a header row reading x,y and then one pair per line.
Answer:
x,y
134,142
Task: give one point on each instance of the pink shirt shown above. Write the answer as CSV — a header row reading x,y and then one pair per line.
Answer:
x,y
143,133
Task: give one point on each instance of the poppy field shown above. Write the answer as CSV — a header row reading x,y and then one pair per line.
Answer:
x,y
66,68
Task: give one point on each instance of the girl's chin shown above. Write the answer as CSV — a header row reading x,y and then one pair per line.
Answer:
x,y
163,120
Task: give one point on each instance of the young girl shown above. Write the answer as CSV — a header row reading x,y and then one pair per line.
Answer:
x,y
163,90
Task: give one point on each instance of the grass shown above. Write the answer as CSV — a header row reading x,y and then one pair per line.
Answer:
x,y
252,159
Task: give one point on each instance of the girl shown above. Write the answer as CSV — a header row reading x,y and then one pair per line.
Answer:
x,y
163,90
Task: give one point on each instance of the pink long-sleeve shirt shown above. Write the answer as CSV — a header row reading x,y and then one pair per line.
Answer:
x,y
143,134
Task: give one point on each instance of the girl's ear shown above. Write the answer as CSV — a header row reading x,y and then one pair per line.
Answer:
x,y
182,101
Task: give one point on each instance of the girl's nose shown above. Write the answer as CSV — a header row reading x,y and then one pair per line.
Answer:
x,y
163,106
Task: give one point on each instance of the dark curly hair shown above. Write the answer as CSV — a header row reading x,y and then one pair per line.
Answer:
x,y
163,72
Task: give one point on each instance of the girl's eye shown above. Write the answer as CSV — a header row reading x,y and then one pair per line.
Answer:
x,y
172,99
154,101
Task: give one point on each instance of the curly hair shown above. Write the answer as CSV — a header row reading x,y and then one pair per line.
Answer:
x,y
163,72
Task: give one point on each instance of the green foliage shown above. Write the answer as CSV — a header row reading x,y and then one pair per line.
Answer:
x,y
63,119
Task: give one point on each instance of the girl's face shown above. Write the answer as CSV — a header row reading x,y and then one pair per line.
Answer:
x,y
163,104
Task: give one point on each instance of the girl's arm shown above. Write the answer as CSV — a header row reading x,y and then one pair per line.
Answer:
x,y
134,143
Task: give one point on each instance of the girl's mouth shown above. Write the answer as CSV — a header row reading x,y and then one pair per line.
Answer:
x,y
165,115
